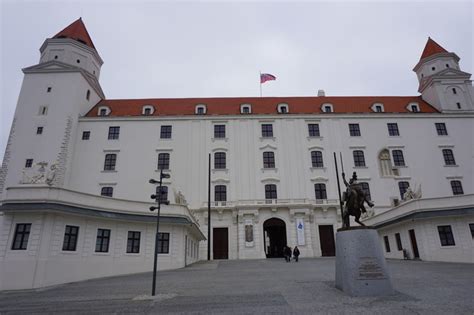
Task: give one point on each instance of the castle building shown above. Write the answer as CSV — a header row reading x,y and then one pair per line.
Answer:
x,y
75,191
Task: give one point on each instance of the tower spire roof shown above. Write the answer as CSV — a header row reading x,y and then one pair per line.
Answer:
x,y
432,48
77,31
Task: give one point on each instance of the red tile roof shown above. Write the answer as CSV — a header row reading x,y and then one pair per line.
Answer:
x,y
77,31
432,48
260,105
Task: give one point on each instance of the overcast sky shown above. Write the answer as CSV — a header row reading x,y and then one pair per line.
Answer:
x,y
154,49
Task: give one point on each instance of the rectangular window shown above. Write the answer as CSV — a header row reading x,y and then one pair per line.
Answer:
x,y
110,161
219,131
414,108
114,133
393,129
313,130
164,161
70,238
107,191
441,129
86,135
43,111
354,130
378,109
270,191
448,157
320,191
457,187
446,235
22,233
102,242
133,242
268,160
165,132
220,193
398,159
387,244
163,243
399,241
162,194
317,159
403,186
39,130
359,159
267,130
219,160
28,163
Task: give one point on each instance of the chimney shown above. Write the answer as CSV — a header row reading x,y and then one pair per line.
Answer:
x,y
321,93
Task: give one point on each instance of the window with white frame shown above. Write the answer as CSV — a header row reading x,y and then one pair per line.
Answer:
x,y
414,107
245,109
378,108
148,110
200,109
327,108
103,111
283,108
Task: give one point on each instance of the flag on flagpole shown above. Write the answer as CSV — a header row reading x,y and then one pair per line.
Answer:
x,y
264,77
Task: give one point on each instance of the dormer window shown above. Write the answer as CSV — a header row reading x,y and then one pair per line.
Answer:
x,y
245,109
378,108
103,111
148,110
283,108
413,107
327,108
200,109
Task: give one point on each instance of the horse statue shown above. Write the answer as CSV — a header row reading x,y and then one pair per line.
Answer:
x,y
354,199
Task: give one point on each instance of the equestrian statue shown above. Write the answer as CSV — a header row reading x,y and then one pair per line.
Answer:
x,y
354,198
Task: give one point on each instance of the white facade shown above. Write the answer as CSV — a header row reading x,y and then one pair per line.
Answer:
x,y
63,98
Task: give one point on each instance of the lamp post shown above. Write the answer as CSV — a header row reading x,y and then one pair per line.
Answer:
x,y
159,200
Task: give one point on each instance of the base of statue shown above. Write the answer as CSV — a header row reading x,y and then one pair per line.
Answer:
x,y
361,269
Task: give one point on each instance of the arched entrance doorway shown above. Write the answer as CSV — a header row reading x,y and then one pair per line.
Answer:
x,y
274,237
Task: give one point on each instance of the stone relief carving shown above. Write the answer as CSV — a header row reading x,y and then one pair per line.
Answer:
x,y
39,175
248,233
410,194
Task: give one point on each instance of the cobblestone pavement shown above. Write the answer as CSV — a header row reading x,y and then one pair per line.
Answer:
x,y
255,287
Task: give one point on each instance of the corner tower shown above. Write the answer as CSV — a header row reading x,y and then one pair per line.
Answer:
x,y
441,81
58,90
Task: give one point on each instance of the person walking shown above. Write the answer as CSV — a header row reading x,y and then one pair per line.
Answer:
x,y
296,253
287,253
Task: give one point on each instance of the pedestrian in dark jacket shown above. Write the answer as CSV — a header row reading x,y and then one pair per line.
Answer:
x,y
296,253
287,253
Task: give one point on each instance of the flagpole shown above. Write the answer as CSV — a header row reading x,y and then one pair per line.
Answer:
x,y
260,80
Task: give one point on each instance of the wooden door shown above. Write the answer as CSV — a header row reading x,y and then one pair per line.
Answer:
x,y
326,238
414,245
220,247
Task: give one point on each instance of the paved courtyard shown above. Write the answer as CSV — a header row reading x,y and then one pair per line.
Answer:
x,y
256,286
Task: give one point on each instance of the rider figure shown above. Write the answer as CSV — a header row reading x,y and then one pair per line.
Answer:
x,y
353,185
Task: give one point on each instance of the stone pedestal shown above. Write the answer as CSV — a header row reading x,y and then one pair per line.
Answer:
x,y
361,269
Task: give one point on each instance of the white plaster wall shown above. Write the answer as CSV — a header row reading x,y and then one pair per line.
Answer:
x,y
192,139
44,262
429,244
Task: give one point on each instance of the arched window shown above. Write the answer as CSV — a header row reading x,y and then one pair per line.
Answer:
x,y
219,160
359,159
147,110
200,109
320,191
386,168
270,191
317,159
245,109
220,193
103,111
283,108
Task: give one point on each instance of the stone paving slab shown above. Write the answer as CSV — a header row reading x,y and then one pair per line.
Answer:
x,y
254,287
